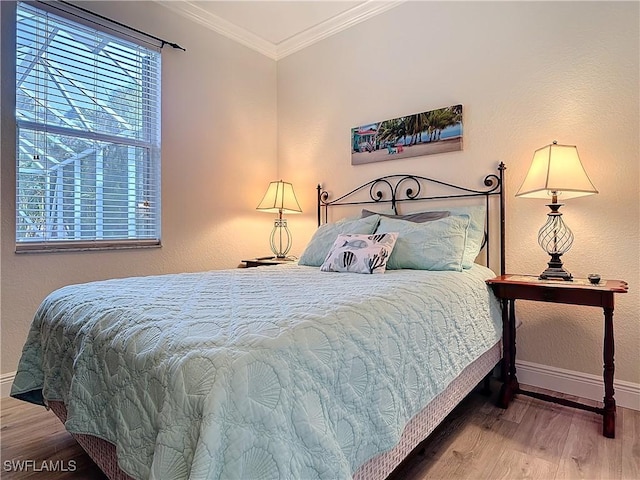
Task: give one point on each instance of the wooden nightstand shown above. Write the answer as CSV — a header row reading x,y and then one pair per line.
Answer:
x,y
509,288
262,261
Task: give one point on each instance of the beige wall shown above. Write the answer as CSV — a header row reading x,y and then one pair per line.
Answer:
x,y
218,155
527,74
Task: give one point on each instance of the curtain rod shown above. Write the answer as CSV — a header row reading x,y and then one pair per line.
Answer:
x,y
162,41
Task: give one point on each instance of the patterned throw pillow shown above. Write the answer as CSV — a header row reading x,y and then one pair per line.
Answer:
x,y
360,253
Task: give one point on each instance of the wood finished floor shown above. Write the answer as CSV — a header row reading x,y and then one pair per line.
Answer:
x,y
530,440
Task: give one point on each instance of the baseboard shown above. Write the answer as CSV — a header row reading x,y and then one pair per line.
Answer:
x,y
6,379
583,385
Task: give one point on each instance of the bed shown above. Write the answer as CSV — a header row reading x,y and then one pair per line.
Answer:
x,y
272,372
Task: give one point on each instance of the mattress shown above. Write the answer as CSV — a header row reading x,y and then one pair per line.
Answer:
x,y
278,372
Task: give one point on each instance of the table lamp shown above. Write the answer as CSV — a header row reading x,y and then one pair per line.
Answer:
x,y
280,198
556,171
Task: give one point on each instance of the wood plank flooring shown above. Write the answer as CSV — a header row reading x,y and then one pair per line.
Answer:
x,y
31,433
532,439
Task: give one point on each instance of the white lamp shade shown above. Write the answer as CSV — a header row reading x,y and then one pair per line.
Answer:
x,y
280,197
556,169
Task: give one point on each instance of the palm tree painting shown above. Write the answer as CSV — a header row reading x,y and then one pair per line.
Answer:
x,y
426,133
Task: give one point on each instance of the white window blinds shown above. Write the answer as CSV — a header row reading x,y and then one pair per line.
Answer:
x,y
88,146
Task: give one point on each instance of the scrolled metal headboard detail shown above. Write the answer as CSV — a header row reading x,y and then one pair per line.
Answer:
x,y
398,188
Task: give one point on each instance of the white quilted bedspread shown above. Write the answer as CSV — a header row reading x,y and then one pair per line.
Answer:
x,y
274,372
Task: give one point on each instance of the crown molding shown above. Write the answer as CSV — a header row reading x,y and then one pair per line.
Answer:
x,y
225,28
336,24
297,42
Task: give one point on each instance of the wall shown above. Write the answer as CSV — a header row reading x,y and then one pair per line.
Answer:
x,y
527,74
219,152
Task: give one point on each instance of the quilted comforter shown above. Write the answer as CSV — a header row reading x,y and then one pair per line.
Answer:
x,y
279,372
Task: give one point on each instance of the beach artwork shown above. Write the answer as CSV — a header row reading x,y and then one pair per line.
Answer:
x,y
426,133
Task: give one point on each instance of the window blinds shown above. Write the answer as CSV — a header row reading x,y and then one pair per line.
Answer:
x,y
88,122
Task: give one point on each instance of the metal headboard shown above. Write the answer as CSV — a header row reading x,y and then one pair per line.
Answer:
x,y
395,189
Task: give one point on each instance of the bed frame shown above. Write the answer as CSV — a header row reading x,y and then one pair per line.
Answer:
x,y
390,189
399,188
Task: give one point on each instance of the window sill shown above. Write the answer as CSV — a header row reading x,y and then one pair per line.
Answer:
x,y
59,247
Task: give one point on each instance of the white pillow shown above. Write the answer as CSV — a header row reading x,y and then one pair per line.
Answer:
x,y
360,253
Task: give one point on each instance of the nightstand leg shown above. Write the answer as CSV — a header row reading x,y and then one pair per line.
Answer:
x,y
510,386
609,414
506,342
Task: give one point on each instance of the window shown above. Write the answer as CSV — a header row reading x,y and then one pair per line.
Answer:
x,y
88,136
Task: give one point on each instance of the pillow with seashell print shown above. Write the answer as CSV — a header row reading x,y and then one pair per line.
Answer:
x,y
360,253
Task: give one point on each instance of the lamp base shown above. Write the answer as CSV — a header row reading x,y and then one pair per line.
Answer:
x,y
555,270
280,239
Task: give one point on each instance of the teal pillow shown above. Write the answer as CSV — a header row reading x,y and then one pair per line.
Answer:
x,y
436,245
322,241
475,236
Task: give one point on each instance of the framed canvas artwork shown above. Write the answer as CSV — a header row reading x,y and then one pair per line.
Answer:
x,y
426,133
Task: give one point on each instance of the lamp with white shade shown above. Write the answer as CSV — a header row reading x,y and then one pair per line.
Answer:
x,y
557,172
280,198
